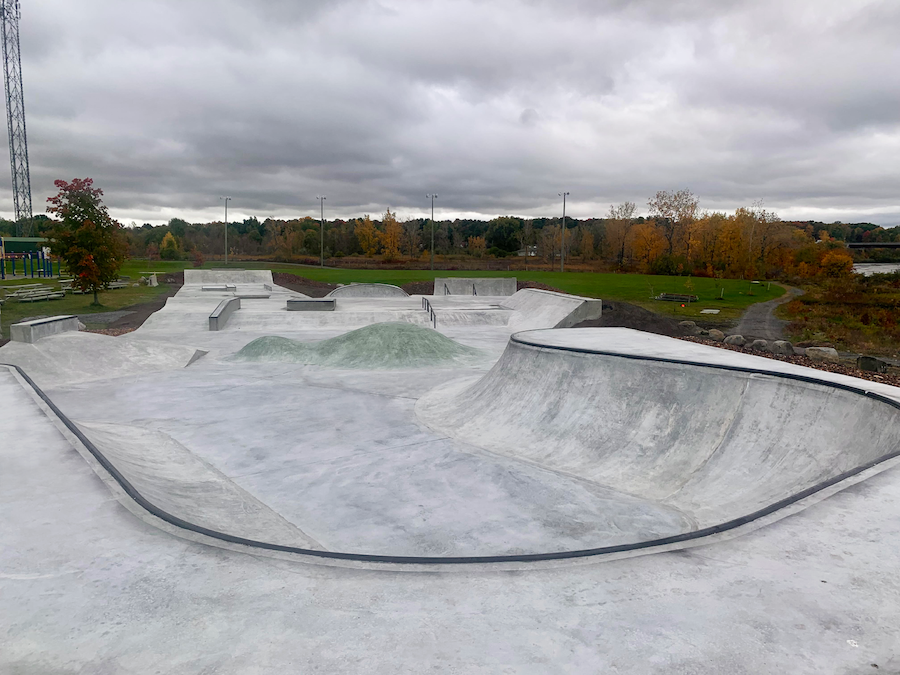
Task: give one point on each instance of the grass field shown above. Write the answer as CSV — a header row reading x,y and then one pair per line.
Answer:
x,y
730,296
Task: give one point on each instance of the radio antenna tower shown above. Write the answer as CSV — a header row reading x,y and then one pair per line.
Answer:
x,y
15,116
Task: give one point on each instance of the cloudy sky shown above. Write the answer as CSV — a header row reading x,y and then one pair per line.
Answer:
x,y
495,105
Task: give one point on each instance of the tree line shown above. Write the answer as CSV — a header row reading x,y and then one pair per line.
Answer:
x,y
676,237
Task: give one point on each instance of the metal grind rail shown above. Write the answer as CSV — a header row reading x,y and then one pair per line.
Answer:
x,y
432,315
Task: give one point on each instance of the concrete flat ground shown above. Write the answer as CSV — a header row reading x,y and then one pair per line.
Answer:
x,y
340,459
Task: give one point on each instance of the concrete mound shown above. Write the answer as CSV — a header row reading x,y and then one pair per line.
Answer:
x,y
379,346
714,443
368,291
535,308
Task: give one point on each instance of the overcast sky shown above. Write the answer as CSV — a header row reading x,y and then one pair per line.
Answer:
x,y
495,105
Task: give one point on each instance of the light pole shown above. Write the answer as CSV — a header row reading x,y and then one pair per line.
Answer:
x,y
432,198
321,199
562,236
226,227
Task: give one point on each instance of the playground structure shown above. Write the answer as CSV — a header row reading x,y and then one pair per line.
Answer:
x,y
27,257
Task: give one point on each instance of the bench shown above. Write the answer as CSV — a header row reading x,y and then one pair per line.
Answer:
x,y
677,297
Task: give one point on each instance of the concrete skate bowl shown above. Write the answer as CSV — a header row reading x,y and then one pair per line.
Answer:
x,y
701,448
723,445
378,346
368,291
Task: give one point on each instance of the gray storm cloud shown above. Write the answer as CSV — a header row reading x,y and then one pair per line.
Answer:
x,y
495,105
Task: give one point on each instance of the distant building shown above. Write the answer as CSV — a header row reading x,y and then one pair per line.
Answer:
x,y
528,251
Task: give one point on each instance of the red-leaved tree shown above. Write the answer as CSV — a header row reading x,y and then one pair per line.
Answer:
x,y
87,239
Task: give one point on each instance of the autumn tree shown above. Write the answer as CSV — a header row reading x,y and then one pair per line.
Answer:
x,y
476,246
392,236
369,238
85,237
618,228
675,212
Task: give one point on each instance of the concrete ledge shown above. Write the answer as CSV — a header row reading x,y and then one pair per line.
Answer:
x,y
32,331
495,286
311,304
223,312
219,287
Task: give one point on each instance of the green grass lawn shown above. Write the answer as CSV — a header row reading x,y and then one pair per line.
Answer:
x,y
730,296
12,312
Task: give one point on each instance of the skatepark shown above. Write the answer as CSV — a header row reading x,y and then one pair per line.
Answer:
x,y
255,481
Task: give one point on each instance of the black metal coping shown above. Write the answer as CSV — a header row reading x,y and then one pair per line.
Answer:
x,y
695,535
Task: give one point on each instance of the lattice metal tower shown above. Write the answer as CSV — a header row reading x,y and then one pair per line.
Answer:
x,y
15,116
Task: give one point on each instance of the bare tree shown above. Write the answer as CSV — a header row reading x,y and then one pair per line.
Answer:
x,y
621,220
675,212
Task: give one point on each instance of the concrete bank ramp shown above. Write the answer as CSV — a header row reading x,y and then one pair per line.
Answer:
x,y
79,356
379,346
491,286
534,308
175,480
213,277
714,443
368,291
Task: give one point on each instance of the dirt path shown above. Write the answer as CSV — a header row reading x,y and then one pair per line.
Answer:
x,y
759,320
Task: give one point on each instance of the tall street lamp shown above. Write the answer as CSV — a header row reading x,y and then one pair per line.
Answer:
x,y
226,227
562,236
432,198
321,199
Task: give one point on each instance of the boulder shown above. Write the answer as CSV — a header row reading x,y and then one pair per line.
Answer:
x,y
782,347
716,335
871,364
822,354
737,340
689,327
760,345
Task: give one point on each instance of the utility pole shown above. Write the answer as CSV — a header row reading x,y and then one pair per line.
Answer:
x,y
226,227
432,197
10,13
562,236
321,199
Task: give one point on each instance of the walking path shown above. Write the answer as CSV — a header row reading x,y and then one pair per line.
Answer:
x,y
759,320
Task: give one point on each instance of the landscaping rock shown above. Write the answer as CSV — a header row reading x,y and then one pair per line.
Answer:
x,y
822,354
737,340
760,345
782,347
871,364
716,335
689,327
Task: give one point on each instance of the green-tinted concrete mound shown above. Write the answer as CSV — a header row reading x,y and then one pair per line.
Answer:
x,y
381,345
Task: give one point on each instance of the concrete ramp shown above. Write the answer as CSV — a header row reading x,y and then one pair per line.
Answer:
x,y
491,286
175,480
534,308
368,291
214,277
715,442
79,357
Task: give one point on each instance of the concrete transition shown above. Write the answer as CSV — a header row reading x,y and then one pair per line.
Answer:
x,y
712,442
368,291
81,357
381,345
32,331
535,308
225,277
495,286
